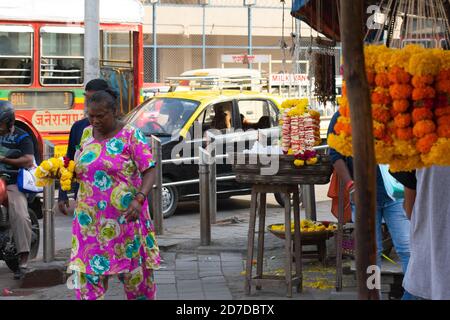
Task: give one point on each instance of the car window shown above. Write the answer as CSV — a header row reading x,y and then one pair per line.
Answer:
x,y
255,114
217,116
274,115
164,116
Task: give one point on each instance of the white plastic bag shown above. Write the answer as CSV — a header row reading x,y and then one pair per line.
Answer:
x,y
26,181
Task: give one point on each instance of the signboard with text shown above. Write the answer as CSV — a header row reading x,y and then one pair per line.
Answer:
x,y
283,79
243,58
56,120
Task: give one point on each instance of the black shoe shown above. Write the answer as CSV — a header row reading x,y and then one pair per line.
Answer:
x,y
19,274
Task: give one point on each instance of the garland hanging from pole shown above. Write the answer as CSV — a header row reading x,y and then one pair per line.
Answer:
x,y
410,90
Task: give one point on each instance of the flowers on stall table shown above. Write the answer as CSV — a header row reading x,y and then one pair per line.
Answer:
x,y
56,168
410,95
300,131
294,103
307,225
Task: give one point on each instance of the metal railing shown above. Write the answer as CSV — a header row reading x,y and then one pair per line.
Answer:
x,y
157,205
49,201
207,187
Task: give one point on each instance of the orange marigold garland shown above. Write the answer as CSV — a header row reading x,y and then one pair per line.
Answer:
x,y
402,120
404,133
400,91
444,120
381,113
439,112
423,128
400,105
443,131
382,80
422,81
423,113
381,96
410,95
399,75
379,130
425,143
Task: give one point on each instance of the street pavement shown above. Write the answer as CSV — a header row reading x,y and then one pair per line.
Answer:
x,y
190,271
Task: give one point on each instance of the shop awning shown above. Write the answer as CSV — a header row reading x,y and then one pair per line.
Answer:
x,y
322,15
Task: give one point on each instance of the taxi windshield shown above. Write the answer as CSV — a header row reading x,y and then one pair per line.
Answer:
x,y
163,116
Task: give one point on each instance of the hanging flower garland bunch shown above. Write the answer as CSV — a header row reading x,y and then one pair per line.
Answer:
x,y
410,97
56,168
300,131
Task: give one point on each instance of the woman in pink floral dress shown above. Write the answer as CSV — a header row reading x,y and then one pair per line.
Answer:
x,y
112,231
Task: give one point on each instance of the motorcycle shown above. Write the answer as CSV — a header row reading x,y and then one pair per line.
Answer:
x,y
8,251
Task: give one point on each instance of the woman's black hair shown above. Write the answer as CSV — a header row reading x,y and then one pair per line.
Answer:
x,y
106,97
96,85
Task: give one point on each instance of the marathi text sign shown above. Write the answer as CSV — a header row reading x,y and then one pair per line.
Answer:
x,y
289,79
242,58
56,120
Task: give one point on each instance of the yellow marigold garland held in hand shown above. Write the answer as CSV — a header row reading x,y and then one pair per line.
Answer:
x,y
410,94
56,168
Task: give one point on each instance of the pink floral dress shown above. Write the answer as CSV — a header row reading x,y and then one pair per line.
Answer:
x,y
109,172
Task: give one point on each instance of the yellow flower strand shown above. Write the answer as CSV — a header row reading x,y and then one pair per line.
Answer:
x,y
54,168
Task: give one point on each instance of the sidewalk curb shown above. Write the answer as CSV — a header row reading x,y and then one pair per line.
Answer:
x,y
45,274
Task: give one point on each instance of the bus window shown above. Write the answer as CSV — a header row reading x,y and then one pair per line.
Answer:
x,y
117,48
62,56
15,55
116,65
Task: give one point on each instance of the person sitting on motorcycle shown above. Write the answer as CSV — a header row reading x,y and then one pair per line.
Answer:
x,y
12,137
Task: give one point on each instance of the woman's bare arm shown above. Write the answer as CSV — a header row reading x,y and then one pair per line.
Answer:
x,y
408,204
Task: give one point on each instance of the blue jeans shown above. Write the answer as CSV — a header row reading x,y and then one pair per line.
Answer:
x,y
391,211
409,296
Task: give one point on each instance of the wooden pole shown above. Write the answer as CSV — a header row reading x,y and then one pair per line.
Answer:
x,y
352,35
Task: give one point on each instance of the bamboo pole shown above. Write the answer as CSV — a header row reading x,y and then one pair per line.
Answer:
x,y
352,35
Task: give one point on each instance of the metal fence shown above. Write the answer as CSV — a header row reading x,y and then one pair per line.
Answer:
x,y
171,54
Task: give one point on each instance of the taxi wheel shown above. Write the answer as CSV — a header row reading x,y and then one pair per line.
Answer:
x,y
169,199
279,198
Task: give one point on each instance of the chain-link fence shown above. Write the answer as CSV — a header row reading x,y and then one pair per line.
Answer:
x,y
196,34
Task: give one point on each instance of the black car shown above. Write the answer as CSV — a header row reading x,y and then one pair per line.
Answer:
x,y
181,119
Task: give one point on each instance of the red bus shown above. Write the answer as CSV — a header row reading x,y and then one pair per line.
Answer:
x,y
42,62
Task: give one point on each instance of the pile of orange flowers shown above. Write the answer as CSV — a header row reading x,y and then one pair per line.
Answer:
x,y
410,96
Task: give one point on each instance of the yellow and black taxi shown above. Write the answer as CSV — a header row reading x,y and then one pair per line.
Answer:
x,y
181,119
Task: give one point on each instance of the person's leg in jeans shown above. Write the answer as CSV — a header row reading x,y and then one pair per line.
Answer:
x,y
409,296
379,232
399,228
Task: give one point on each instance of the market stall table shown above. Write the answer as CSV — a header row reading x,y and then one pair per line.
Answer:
x,y
286,181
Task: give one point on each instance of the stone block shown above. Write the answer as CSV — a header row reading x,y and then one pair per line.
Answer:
x,y
48,277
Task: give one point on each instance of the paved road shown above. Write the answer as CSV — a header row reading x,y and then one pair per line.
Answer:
x,y
183,225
